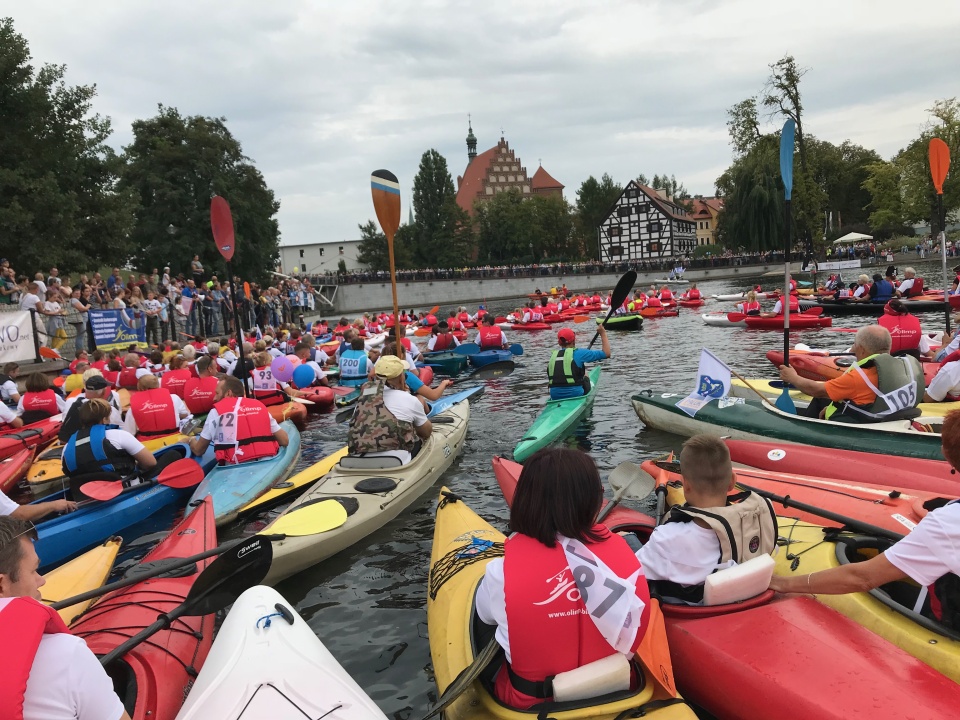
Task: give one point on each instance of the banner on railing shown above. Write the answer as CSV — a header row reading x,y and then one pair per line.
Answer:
x,y
839,265
16,337
118,329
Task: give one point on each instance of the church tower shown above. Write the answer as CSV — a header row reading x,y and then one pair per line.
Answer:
x,y
471,142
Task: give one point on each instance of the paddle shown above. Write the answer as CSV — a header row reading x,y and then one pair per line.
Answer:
x,y
302,401
467,349
627,479
385,189
624,286
493,370
244,566
221,224
661,491
786,173
580,318
939,165
516,349
181,474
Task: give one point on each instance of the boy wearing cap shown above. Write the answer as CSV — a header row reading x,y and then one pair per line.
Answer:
x,y
565,371
389,421
95,386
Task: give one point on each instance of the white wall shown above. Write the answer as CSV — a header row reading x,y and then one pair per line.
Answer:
x,y
313,262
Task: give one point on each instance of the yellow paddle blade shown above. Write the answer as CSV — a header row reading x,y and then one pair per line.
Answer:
x,y
310,519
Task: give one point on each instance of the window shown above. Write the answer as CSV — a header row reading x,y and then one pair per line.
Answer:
x,y
614,231
526,188
489,191
623,211
616,250
341,249
653,247
503,178
642,207
653,227
631,193
511,178
321,255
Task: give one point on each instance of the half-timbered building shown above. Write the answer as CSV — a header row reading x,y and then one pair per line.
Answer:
x,y
644,225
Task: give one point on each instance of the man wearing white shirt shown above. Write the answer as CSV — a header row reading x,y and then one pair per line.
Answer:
x,y
31,298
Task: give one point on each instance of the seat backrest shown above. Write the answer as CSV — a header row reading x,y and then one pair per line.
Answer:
x,y
740,582
357,462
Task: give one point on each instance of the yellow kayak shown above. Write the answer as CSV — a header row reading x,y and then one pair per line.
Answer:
x,y
875,611
292,486
84,573
455,572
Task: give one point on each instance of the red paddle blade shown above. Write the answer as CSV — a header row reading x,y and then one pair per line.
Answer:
x,y
246,290
102,489
342,389
939,163
221,223
181,474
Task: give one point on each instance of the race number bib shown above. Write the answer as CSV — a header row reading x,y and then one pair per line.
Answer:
x,y
263,380
227,426
902,398
350,366
611,601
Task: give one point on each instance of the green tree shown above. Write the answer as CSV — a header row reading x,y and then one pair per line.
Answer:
x,y
743,124
175,164
753,207
840,171
373,249
503,229
883,185
442,234
594,200
551,224
669,186
59,204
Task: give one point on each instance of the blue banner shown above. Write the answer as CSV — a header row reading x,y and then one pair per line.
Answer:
x,y
118,329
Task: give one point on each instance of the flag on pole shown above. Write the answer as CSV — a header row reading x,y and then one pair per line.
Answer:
x,y
713,382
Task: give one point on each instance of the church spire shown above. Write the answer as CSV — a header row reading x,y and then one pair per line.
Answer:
x,y
471,142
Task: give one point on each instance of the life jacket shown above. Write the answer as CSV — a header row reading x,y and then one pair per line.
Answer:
x,y
454,324
111,376
480,314
463,317
666,295
693,294
751,308
793,285
550,631
443,341
905,331
156,370
100,365
746,528
653,301
23,623
243,433
884,291
916,288
198,394
154,413
40,405
595,298
89,451
374,428
536,316
265,387
490,336
562,371
353,367
175,380
128,378
339,329
901,384
945,598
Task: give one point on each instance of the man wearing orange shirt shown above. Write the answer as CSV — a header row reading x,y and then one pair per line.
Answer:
x,y
877,387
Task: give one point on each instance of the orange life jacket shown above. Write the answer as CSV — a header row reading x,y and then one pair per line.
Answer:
x,y
154,413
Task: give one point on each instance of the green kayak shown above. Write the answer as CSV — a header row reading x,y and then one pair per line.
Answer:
x,y
449,363
755,421
556,420
623,322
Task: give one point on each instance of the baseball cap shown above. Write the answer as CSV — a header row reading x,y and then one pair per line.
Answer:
x,y
390,366
567,335
97,382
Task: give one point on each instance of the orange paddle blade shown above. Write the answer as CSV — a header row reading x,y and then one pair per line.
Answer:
x,y
422,332
580,318
434,310
939,163
49,353
246,290
221,224
654,652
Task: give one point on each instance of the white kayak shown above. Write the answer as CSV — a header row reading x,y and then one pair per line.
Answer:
x,y
374,341
669,281
373,491
720,319
267,664
738,297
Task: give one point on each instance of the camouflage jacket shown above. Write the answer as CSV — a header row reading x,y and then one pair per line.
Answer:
x,y
374,428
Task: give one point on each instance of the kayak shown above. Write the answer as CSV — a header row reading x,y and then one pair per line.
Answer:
x,y
847,307
692,303
372,496
821,366
154,677
749,420
488,357
858,467
888,506
530,326
658,313
62,537
80,575
557,419
463,543
622,322
320,395
798,321
877,610
14,468
449,363
293,411
721,319
233,486
346,395
790,657
283,654
36,434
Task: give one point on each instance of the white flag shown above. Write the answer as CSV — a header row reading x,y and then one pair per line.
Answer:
x,y
713,382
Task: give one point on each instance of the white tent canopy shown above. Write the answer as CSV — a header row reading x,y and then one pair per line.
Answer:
x,y
852,238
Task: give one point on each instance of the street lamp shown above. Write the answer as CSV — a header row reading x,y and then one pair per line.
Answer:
x,y
171,230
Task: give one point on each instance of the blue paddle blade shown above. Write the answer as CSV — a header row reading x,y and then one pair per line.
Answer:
x,y
467,349
785,402
516,349
786,157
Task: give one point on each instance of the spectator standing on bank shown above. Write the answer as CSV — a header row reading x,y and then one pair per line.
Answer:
x,y
196,268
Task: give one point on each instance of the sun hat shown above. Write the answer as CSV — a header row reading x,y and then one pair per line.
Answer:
x,y
390,366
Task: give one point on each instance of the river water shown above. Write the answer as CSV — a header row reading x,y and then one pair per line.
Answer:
x,y
368,604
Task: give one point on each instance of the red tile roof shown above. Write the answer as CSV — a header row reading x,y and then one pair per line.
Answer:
x,y
542,180
471,184
666,206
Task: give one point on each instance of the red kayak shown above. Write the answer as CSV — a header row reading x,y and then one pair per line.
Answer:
x,y
658,312
692,303
293,411
789,657
531,326
809,319
154,677
912,474
886,506
320,395
36,435
14,468
821,367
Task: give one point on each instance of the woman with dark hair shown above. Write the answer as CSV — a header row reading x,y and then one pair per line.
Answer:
x,y
567,592
40,401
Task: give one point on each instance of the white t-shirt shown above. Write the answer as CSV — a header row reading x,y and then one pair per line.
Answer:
x,y
932,549
905,285
122,440
7,506
52,307
861,289
115,416
61,405
8,390
433,341
67,682
684,553
318,373
491,603
41,288
946,382
212,425
152,306
179,407
29,301
6,414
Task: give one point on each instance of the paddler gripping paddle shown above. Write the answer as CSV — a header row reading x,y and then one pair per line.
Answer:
x,y
624,286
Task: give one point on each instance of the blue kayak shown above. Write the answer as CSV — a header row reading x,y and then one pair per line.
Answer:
x,y
234,486
63,537
447,401
487,357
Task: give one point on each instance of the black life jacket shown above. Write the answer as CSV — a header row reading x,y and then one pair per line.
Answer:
x,y
89,451
563,371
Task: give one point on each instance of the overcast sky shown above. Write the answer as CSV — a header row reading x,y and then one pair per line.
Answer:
x,y
322,93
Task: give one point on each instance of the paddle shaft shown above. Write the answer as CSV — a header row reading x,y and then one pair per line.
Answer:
x,y
236,320
742,379
785,297
943,255
620,292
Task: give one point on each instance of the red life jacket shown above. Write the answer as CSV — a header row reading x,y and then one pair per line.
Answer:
x,y
793,284
154,413
100,365
563,305
551,308
693,294
198,394
443,341
128,378
794,304
554,636
23,623
254,439
653,302
480,313
749,307
267,397
463,317
904,330
666,294
491,337
339,329
407,345
43,402
595,298
454,324
111,376
952,357
174,380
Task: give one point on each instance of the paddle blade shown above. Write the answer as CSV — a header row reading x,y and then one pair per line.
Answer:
x,y
434,310
422,332
494,370
785,403
102,489
654,651
246,290
467,349
516,349
580,318
221,223
342,390
242,567
624,286
786,156
385,189
630,480
311,519
939,163
181,474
